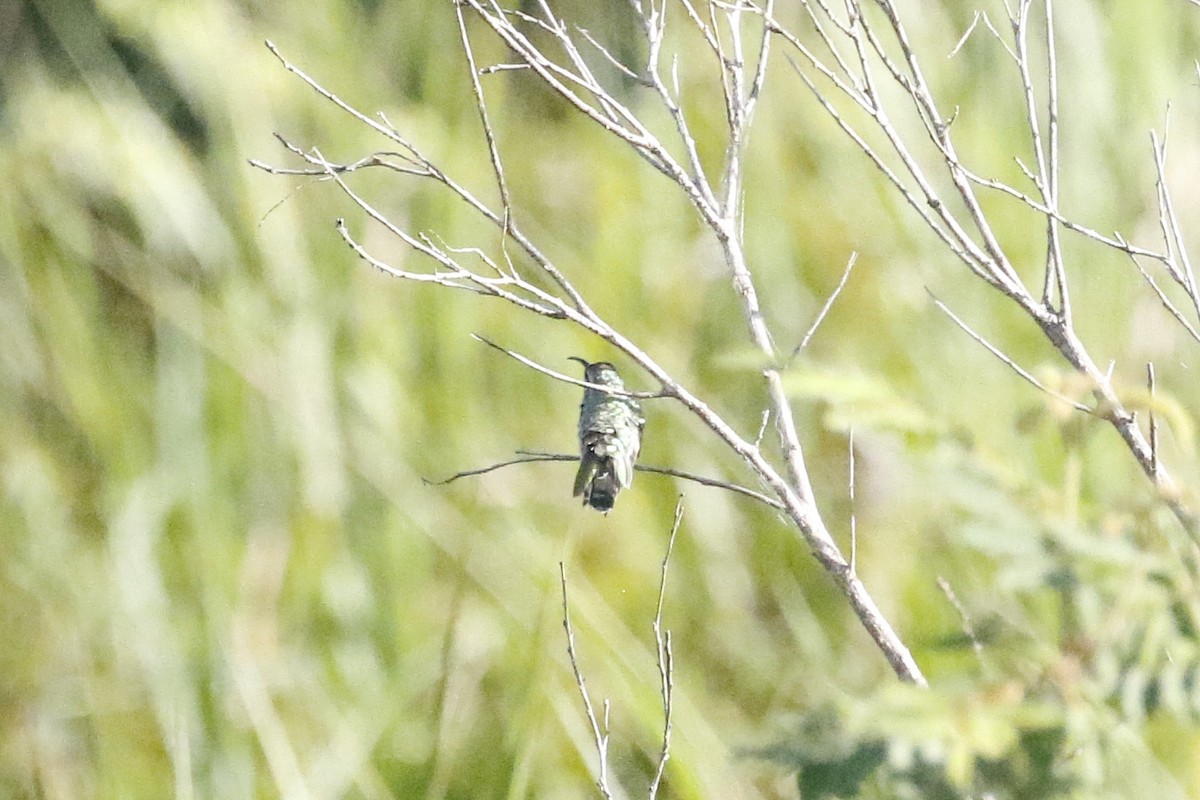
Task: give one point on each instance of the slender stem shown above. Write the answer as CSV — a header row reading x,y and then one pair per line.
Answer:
x,y
599,733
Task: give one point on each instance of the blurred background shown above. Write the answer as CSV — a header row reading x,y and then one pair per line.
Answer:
x,y
222,574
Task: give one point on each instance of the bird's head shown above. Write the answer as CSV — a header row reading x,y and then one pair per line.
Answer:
x,y
601,373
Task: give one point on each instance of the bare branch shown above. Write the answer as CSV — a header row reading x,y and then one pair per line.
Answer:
x,y
1166,301
795,492
760,70
762,427
1045,152
996,34
853,515
530,456
1116,242
989,255
962,40
856,82
599,735
615,119
1055,266
379,159
825,308
710,34
337,101
653,27
565,378
666,659
581,90
436,174
1180,265
923,207
1150,386
967,626
469,473
493,150
624,70
998,353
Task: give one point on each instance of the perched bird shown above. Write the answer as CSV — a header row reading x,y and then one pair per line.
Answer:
x,y
610,436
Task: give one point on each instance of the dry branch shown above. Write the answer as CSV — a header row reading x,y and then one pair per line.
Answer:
x,y
718,204
957,218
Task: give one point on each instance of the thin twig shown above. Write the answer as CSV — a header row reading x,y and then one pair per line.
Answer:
x,y
470,473
624,70
489,134
654,26
996,35
494,68
991,255
1116,242
1172,231
924,203
762,427
666,659
599,735
853,512
998,353
964,618
962,40
374,160
1055,268
1166,301
566,378
825,308
564,83
387,130
531,456
1150,385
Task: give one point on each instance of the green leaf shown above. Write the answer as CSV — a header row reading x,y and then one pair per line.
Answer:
x,y
842,777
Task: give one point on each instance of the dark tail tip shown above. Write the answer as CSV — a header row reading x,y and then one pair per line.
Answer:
x,y
602,501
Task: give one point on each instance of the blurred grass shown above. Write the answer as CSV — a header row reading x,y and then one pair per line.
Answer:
x,y
222,573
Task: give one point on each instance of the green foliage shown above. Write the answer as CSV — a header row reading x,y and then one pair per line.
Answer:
x,y
999,747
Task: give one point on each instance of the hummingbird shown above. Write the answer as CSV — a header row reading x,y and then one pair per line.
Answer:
x,y
610,436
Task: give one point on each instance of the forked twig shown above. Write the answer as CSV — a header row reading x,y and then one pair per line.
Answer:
x,y
666,658
599,734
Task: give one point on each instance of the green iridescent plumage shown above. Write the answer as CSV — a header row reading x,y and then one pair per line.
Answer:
x,y
610,436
